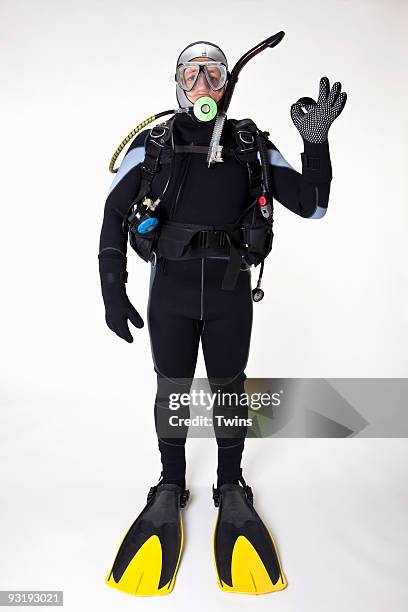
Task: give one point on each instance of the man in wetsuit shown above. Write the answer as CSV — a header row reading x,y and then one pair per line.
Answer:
x,y
186,301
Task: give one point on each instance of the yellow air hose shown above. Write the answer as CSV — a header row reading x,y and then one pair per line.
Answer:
x,y
131,135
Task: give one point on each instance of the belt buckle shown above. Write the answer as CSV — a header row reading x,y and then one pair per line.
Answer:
x,y
221,239
203,239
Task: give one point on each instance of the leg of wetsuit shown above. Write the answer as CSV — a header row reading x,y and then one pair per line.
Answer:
x,y
186,300
173,309
226,336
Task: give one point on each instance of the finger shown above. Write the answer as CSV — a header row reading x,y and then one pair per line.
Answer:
x,y
135,318
308,107
324,90
123,331
297,113
307,103
340,103
334,94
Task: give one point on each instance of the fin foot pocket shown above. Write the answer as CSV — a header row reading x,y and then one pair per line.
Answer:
x,y
149,555
245,554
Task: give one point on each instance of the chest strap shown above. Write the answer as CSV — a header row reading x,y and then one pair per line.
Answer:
x,y
167,154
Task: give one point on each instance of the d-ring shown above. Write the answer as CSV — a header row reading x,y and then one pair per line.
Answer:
x,y
247,141
153,258
157,135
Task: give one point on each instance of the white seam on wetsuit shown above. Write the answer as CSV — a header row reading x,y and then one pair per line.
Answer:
x,y
202,289
152,277
164,441
112,249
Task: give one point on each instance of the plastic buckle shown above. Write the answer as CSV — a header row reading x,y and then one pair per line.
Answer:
x,y
131,216
184,497
245,238
221,238
203,239
148,170
151,163
218,236
216,496
255,170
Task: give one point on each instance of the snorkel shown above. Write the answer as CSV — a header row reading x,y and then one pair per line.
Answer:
x,y
215,149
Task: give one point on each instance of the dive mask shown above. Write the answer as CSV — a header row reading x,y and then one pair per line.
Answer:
x,y
215,74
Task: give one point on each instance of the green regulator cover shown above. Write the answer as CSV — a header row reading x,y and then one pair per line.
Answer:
x,y
205,108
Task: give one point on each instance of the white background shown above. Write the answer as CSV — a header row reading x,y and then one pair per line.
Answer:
x,y
78,448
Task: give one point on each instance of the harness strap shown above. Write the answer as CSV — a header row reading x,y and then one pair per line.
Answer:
x,y
156,142
167,154
233,267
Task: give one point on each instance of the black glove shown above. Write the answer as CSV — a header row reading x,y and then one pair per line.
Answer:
x,y
314,124
118,308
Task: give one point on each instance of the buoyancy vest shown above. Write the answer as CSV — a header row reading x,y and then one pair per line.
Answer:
x,y
248,239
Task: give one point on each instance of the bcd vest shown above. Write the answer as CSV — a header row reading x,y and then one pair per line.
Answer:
x,y
248,240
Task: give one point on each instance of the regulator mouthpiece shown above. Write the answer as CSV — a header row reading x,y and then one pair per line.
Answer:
x,y
205,109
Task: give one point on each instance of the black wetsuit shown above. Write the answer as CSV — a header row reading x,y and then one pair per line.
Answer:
x,y
186,301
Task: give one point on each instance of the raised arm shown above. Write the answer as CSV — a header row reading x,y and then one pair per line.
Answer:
x,y
307,194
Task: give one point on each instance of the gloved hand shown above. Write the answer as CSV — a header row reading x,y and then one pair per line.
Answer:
x,y
118,308
314,124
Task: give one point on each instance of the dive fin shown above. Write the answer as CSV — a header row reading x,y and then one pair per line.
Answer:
x,y
149,555
246,557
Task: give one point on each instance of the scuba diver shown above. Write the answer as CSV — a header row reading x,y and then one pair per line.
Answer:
x,y
202,226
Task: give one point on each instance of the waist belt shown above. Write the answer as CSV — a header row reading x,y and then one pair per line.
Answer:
x,y
184,240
